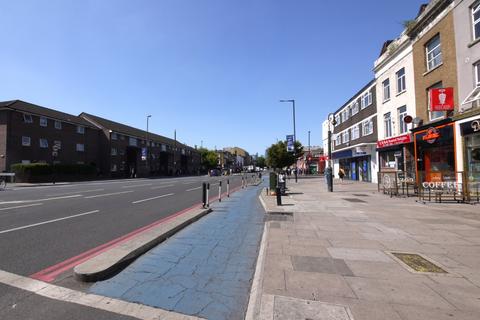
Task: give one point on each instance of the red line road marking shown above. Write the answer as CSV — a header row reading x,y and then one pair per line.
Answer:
x,y
51,273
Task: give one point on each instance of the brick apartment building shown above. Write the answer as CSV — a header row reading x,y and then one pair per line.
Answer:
x,y
33,134
28,134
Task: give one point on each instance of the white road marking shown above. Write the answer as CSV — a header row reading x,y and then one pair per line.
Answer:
x,y
162,196
63,194
138,185
159,187
190,182
121,307
49,221
108,194
24,206
39,200
193,189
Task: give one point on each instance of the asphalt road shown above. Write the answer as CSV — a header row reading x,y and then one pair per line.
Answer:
x,y
43,226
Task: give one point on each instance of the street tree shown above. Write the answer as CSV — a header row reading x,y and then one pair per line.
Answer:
x,y
261,162
278,157
209,158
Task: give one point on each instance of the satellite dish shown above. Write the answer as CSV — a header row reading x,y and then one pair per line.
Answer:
x,y
417,120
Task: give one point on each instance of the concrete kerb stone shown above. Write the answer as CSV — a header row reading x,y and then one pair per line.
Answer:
x,y
110,262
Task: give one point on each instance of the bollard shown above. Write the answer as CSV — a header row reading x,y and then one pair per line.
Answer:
x,y
243,182
204,194
208,192
228,188
279,196
220,191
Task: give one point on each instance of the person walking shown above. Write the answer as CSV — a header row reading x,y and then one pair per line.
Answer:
x,y
341,173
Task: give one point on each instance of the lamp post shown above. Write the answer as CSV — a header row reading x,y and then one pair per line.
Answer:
x,y
294,136
147,163
308,157
331,122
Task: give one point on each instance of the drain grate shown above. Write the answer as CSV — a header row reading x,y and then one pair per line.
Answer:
x,y
418,263
353,200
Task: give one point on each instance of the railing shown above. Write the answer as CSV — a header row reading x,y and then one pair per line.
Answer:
x,y
397,183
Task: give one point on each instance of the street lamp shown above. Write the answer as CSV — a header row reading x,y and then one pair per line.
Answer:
x,y
294,135
146,141
331,122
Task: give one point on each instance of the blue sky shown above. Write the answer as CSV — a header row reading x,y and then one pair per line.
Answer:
x,y
214,70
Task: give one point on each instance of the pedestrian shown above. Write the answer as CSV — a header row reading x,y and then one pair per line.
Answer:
x,y
281,182
341,173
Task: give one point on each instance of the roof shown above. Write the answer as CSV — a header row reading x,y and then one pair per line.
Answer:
x,y
117,127
30,108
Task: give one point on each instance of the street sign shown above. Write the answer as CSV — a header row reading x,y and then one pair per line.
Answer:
x,y
290,144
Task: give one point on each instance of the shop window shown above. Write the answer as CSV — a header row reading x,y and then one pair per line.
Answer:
x,y
402,112
476,21
387,124
434,115
433,50
43,122
401,82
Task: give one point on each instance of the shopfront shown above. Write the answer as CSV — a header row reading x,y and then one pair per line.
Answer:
x,y
435,153
355,162
397,155
470,131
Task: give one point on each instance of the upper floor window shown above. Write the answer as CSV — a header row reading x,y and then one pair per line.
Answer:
x,y
346,136
387,124
81,129
43,143
402,112
366,99
477,74
401,83
337,119
58,125
386,90
113,152
476,21
113,136
80,147
356,132
132,141
163,147
344,115
355,108
434,115
434,52
43,122
26,141
27,118
367,127
338,140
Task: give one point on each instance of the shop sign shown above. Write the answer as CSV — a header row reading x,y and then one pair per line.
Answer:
x,y
360,151
441,99
443,185
431,135
470,127
406,138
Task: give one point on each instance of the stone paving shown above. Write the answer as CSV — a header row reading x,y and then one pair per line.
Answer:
x,y
329,258
205,270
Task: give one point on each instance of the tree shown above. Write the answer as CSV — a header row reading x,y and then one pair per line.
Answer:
x,y
261,162
278,157
209,158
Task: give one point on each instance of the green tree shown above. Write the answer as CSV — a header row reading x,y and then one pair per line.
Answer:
x,y
278,157
261,162
209,158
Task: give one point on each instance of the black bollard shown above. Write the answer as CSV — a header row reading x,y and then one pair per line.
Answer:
x,y
279,196
204,194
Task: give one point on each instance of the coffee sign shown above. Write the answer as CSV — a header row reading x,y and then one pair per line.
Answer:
x,y
441,99
431,135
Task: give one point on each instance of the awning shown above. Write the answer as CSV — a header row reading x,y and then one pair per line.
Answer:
x,y
473,96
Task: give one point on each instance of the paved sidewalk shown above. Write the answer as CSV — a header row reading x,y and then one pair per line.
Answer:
x,y
331,259
205,270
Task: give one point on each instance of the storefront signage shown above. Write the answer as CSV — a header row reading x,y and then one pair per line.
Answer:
x,y
441,99
360,151
432,135
470,127
394,141
444,185
342,154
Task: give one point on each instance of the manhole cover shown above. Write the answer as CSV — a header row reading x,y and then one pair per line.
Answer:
x,y
360,195
418,263
353,200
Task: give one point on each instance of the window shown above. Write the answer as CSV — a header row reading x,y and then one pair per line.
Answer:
x,y
386,90
477,74
337,119
122,137
121,152
476,21
80,147
26,141
355,132
366,99
344,115
27,118
346,136
163,147
43,122
387,124
434,115
401,83
43,143
132,141
58,144
114,167
402,112
81,129
367,127
113,152
434,52
338,140
113,136
355,108
58,125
